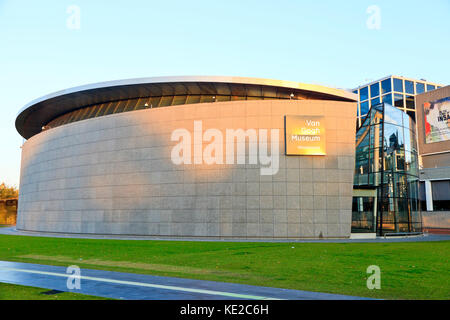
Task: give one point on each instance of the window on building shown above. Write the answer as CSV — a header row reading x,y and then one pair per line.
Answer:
x,y
441,195
388,99
420,87
375,101
398,85
363,218
409,87
422,198
364,108
386,86
375,90
409,101
430,87
364,94
398,100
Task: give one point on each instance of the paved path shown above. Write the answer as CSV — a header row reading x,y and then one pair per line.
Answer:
x,y
130,286
426,237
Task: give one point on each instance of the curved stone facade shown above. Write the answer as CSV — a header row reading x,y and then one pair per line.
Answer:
x,y
114,175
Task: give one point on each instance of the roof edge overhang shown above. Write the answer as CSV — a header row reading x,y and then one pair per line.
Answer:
x,y
33,108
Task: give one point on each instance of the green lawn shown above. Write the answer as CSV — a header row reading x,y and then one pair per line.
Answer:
x,y
410,270
14,292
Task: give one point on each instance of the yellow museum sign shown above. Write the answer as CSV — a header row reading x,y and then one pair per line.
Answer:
x,y
305,135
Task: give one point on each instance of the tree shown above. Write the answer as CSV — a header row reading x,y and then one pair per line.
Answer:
x,y
8,192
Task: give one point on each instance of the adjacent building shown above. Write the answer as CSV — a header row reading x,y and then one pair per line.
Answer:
x,y
397,91
433,127
417,98
385,195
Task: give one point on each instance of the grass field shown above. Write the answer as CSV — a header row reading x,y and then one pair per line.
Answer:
x,y
410,270
14,292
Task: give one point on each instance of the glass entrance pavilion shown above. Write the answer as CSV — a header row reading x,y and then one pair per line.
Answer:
x,y
386,174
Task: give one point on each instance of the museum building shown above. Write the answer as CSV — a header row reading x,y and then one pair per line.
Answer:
x,y
219,157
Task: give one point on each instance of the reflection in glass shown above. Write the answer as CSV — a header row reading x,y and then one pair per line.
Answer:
x,y
375,90
409,87
420,88
409,101
363,219
393,138
364,108
387,98
394,118
386,86
398,100
363,93
398,85
386,160
375,101
430,87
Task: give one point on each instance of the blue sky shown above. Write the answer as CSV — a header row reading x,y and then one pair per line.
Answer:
x,y
325,42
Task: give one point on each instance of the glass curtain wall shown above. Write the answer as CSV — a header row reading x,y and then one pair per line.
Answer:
x,y
396,91
386,159
104,109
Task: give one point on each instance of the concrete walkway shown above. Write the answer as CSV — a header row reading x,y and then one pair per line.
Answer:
x,y
130,286
426,237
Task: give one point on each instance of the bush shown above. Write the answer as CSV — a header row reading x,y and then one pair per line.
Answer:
x,y
8,192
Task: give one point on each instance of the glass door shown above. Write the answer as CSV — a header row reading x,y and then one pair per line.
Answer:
x,y
364,211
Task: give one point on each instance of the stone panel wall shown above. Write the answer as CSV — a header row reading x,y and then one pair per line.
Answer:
x,y
114,175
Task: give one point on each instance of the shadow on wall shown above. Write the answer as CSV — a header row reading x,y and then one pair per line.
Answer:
x,y
8,212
